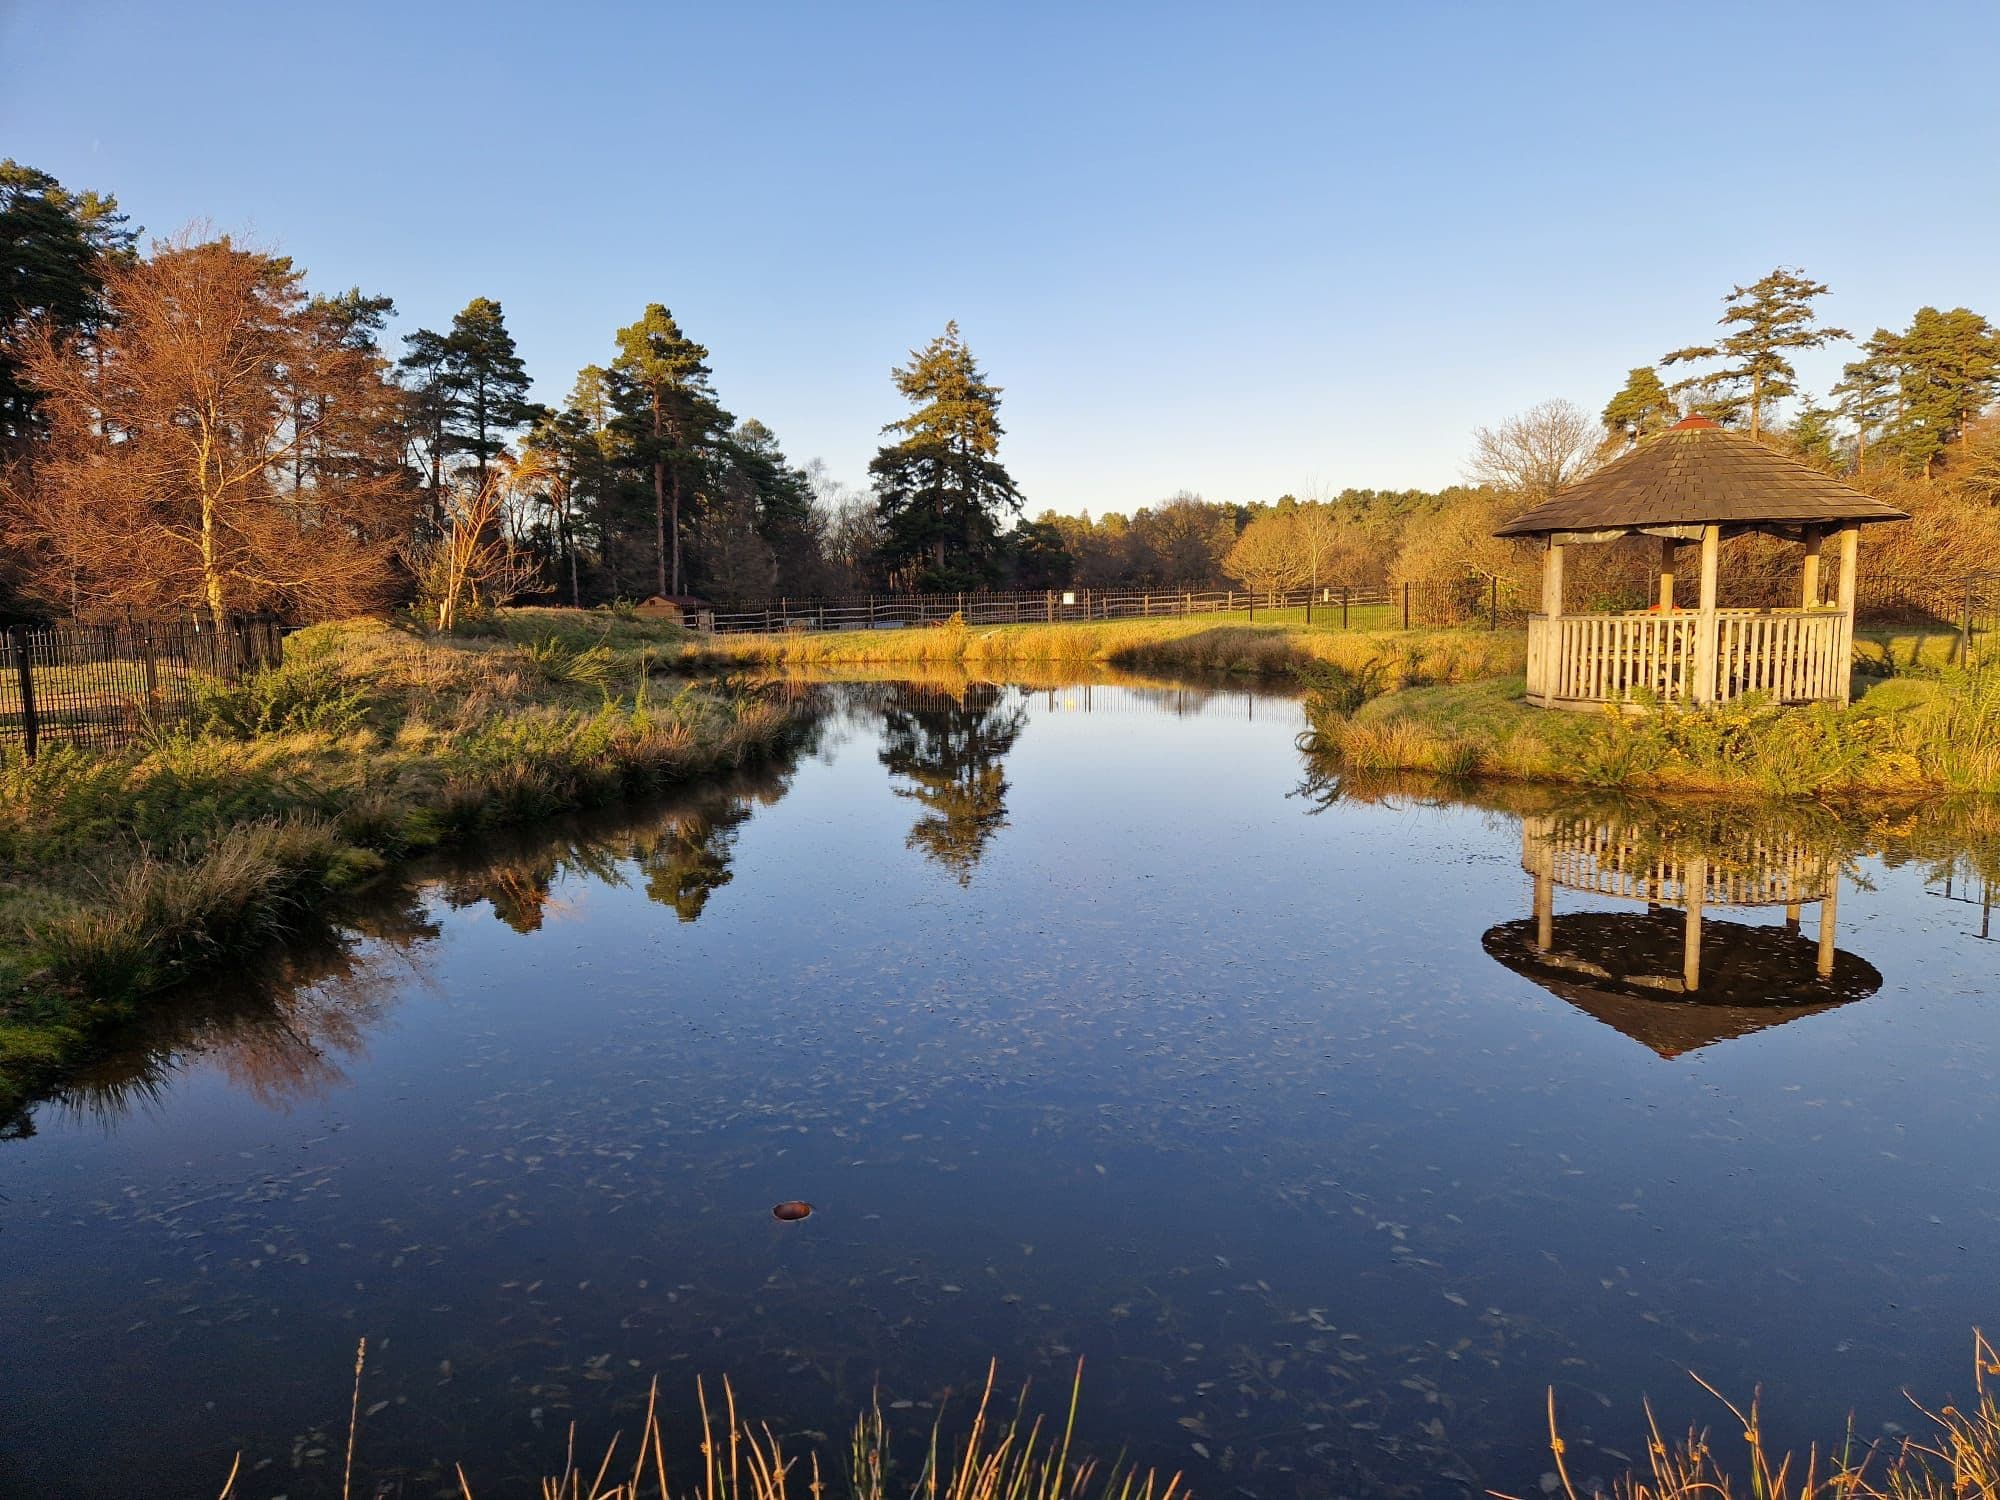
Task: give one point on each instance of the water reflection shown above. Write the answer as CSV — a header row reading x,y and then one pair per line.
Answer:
x,y
948,747
1673,977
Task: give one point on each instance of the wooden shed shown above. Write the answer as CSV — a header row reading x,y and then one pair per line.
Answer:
x,y
1694,485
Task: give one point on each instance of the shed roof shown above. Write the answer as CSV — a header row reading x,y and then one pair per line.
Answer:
x,y
1697,474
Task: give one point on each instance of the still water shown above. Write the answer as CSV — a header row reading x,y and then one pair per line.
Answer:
x,y
1329,1125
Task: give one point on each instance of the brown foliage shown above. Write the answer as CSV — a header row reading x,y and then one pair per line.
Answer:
x,y
218,446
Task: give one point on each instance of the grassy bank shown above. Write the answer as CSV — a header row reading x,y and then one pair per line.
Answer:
x,y
1901,736
1198,645
121,872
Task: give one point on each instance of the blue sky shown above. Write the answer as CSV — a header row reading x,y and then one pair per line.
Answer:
x,y
1223,248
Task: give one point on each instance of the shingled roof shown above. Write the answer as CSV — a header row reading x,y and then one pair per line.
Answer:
x,y
1696,474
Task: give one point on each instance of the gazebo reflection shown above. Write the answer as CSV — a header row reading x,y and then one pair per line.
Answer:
x,y
1674,977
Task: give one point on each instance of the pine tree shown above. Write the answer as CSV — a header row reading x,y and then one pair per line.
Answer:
x,y
54,246
1643,407
782,502
1948,370
942,491
1869,392
1772,317
489,383
668,413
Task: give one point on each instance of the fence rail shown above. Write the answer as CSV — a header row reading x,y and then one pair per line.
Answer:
x,y
98,685
1474,601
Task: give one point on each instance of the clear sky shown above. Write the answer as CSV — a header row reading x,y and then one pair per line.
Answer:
x,y
1228,248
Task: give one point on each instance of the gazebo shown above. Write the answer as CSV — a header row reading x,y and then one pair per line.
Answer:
x,y
1697,484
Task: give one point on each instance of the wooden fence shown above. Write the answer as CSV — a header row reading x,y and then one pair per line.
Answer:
x,y
1487,602
98,685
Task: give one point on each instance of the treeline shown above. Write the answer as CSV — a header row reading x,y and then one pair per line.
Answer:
x,y
191,426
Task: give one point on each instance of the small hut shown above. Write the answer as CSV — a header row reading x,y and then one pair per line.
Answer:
x,y
1696,484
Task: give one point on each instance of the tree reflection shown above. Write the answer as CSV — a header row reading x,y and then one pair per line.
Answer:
x,y
949,746
686,854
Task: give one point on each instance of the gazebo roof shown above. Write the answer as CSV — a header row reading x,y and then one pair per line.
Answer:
x,y
1696,474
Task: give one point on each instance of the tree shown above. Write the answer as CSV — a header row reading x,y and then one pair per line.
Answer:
x,y
1040,557
1772,317
164,479
468,566
941,490
1869,391
1948,368
738,562
1533,455
1812,435
669,414
54,248
1642,407
1267,555
781,503
469,390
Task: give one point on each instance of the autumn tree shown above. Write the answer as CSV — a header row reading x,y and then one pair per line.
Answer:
x,y
1642,407
166,479
1267,556
671,420
55,246
940,488
1771,318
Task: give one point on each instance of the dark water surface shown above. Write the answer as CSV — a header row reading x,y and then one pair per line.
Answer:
x,y
1086,1033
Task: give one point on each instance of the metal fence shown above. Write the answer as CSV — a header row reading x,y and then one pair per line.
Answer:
x,y
97,685
1468,602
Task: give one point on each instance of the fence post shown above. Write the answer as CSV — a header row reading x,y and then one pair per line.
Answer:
x,y
30,728
1406,606
150,662
1493,610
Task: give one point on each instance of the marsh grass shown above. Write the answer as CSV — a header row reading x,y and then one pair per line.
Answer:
x,y
1163,646
1903,736
121,872
1001,1456
1957,1459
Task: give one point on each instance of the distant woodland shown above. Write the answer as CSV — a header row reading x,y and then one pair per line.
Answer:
x,y
186,423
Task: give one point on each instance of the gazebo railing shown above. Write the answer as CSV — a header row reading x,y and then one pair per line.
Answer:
x,y
1793,655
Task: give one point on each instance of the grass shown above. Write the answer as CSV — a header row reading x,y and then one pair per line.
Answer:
x,y
1202,644
122,872
1902,736
1957,1459
1002,1456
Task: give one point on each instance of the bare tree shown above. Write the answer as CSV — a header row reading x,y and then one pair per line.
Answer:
x,y
468,566
1531,456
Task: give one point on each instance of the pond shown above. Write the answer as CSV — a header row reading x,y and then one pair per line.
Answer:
x,y
1329,1124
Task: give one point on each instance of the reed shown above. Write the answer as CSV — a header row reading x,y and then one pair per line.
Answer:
x,y
1002,1456
1958,1458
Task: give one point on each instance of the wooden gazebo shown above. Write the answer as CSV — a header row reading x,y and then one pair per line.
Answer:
x,y
1696,484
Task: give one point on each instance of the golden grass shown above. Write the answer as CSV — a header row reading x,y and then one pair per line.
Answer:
x,y
1174,645
1957,1459
1001,1457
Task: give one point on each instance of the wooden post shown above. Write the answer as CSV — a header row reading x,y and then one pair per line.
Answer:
x,y
1696,893
1552,581
1343,606
1406,605
1815,540
1666,575
1826,917
1706,687
150,662
1493,605
30,726
1850,554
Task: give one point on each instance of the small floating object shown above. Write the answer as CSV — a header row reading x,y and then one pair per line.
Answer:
x,y
791,1210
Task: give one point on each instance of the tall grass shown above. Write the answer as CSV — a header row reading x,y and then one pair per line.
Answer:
x,y
120,872
1002,1456
1903,737
1170,645
1957,1459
